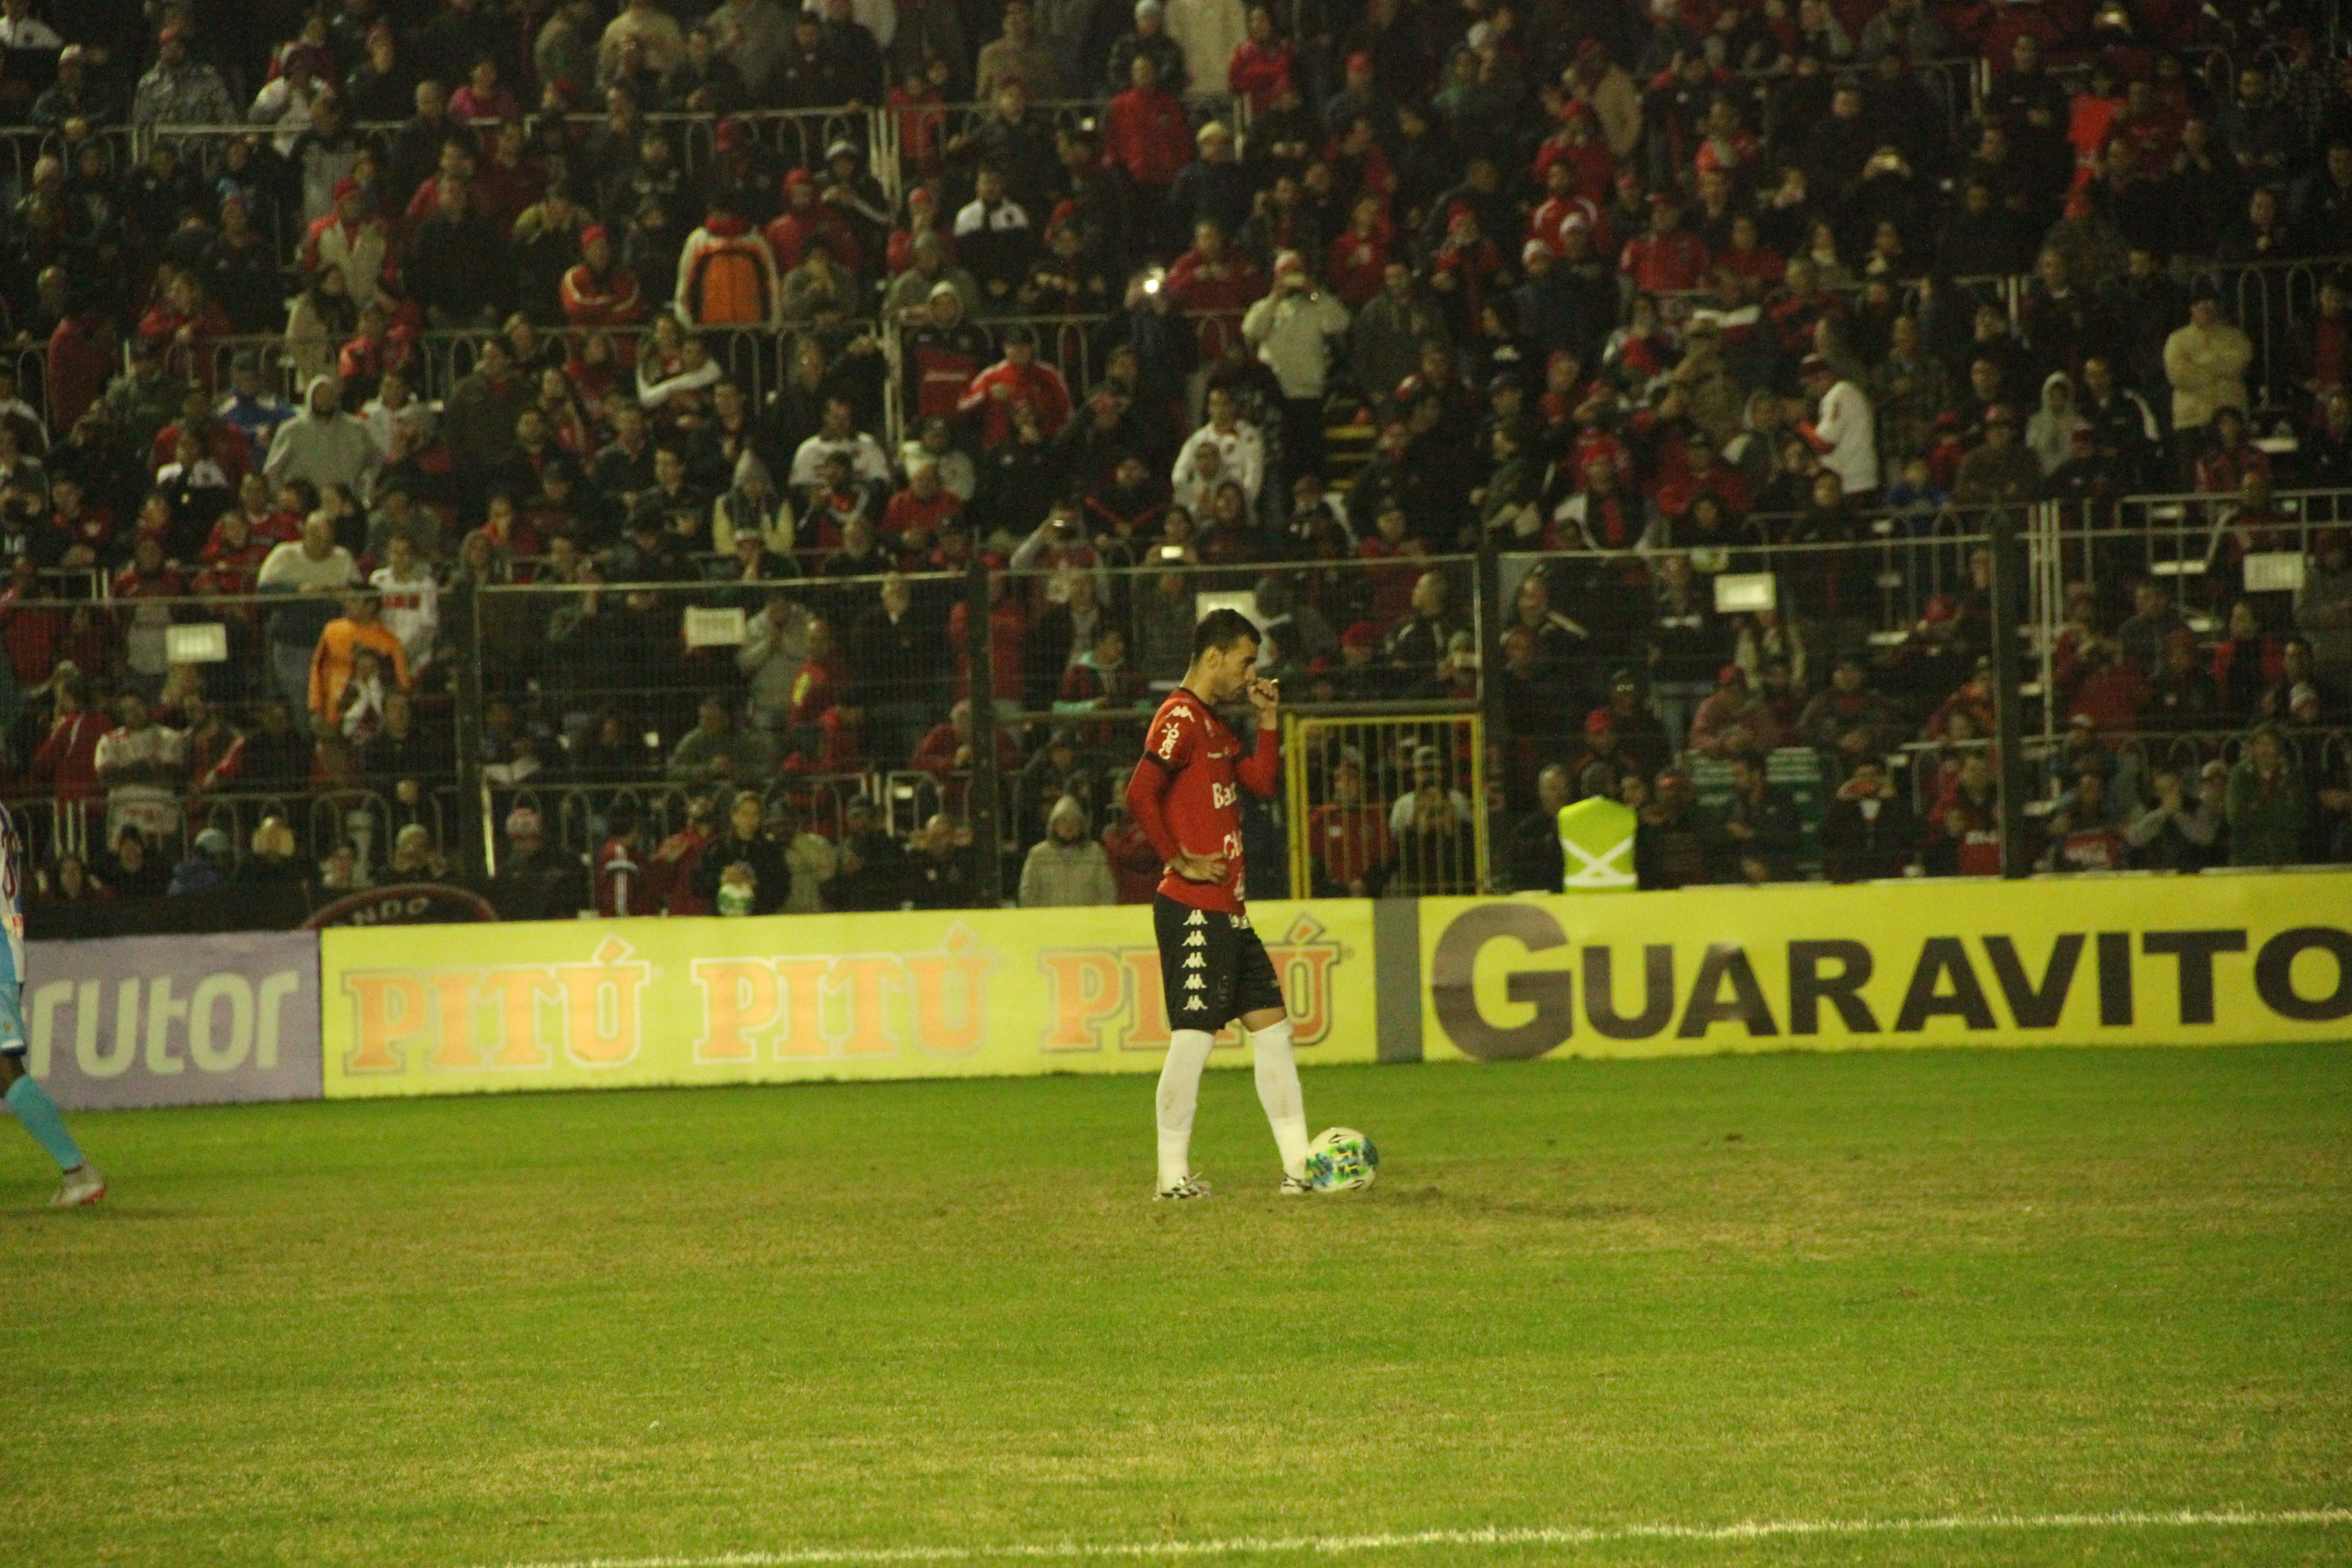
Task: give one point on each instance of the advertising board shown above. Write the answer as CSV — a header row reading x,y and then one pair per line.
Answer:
x,y
2214,960
429,1010
174,1020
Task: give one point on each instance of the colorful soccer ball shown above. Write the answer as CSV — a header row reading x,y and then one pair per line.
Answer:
x,y
1342,1160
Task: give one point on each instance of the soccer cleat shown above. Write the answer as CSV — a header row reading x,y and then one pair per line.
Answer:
x,y
81,1187
1190,1187
1296,1186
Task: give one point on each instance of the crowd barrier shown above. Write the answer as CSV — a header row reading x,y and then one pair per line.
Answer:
x,y
355,1012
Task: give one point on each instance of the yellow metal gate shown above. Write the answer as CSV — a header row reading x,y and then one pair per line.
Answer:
x,y
1388,807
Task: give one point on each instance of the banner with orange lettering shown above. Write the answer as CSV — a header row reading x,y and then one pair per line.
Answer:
x,y
457,1009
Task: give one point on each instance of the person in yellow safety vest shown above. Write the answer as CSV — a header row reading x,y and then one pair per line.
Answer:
x,y
1596,846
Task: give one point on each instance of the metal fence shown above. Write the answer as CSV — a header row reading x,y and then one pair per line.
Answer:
x,y
2208,550
573,697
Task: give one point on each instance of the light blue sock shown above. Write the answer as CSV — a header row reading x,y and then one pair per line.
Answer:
x,y
38,1112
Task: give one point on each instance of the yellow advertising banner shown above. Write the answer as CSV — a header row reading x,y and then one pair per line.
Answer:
x,y
457,1009
2216,959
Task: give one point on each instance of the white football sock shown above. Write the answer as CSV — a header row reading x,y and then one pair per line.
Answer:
x,y
1180,1098
1279,1091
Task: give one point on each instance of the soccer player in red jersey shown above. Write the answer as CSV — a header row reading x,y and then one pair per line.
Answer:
x,y
1186,796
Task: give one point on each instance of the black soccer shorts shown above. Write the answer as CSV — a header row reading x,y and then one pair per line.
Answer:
x,y
1212,967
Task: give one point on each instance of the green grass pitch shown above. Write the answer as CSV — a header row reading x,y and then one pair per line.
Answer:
x,y
857,1320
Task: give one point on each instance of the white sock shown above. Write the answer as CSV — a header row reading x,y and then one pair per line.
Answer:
x,y
1180,1096
1279,1091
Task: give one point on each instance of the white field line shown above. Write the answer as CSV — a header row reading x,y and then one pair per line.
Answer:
x,y
1541,1535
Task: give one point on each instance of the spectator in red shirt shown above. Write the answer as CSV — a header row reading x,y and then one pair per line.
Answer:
x,y
1359,258
1008,623
184,325
1349,838
920,510
940,351
1465,270
1146,133
1017,379
232,556
1755,269
820,732
1964,827
1261,63
1213,284
805,218
669,876
946,753
1578,146
1135,866
30,634
1668,259
600,291
67,761
1560,200
82,357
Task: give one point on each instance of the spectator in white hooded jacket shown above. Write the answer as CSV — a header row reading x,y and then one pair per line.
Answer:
x,y
1066,868
324,445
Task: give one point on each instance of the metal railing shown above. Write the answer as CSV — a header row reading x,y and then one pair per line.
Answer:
x,y
755,358
22,146
800,135
2211,548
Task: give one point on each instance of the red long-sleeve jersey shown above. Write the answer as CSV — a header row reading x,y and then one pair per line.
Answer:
x,y
1186,794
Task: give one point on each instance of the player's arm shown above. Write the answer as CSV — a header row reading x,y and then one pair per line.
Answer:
x,y
1147,789
1147,799
1260,773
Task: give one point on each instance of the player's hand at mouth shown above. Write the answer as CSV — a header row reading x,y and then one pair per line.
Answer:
x,y
1198,868
1264,696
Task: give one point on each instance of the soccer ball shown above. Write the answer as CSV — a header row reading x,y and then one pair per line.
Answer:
x,y
1342,1160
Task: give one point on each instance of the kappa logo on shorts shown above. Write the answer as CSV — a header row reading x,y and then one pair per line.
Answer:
x,y
1197,918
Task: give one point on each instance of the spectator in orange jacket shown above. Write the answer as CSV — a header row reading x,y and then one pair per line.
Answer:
x,y
332,661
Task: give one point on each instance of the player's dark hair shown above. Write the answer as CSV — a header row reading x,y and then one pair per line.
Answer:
x,y
1220,630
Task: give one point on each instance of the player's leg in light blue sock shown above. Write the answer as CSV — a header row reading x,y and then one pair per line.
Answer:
x,y
38,1112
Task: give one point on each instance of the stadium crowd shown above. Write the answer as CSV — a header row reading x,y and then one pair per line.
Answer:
x,y
336,321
